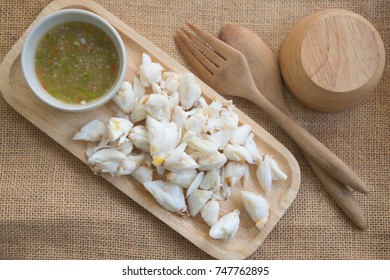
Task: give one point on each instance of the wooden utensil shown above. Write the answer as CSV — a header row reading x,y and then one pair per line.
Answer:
x,y
266,75
332,60
226,70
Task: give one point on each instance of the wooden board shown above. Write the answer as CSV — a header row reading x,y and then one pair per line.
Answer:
x,y
248,238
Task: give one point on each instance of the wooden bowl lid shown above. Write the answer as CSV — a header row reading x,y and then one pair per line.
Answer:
x,y
341,52
332,60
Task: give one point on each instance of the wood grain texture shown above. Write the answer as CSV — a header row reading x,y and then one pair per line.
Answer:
x,y
332,60
61,126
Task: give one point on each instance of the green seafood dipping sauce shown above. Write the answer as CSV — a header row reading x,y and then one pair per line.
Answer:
x,y
76,62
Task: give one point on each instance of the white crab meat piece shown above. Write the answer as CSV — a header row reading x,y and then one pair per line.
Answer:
x,y
264,174
106,154
227,134
218,138
196,123
106,160
211,180
196,200
233,172
189,90
163,138
171,81
195,184
237,153
174,99
251,146
92,131
139,135
143,174
118,129
92,147
168,195
109,167
149,71
241,134
203,145
268,171
214,109
158,107
229,120
212,161
213,125
183,179
156,89
139,112
138,89
202,105
126,147
226,227
187,136
125,98
178,160
257,207
210,212
277,173
129,164
179,116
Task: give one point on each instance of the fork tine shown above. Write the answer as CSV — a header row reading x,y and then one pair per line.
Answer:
x,y
212,56
223,49
199,56
205,73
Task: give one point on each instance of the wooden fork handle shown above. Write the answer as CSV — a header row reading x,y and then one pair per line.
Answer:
x,y
312,147
341,195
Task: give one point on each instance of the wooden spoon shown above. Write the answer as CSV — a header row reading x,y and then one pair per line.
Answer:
x,y
267,78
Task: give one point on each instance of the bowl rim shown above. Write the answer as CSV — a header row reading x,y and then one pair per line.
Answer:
x,y
47,23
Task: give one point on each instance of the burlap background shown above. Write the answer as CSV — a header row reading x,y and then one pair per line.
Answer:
x,y
53,207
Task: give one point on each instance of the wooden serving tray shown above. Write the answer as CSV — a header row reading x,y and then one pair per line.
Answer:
x,y
51,121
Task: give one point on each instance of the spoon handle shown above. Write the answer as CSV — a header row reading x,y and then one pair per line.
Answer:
x,y
341,195
311,146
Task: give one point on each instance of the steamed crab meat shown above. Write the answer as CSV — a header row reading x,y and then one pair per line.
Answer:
x,y
118,129
125,98
210,212
149,71
237,153
158,107
169,196
163,138
92,131
179,160
139,135
183,178
226,227
212,161
189,90
241,134
257,208
197,199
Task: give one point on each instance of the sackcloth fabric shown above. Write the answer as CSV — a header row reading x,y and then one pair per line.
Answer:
x,y
53,207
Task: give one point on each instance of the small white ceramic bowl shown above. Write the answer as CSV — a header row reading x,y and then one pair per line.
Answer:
x,y
40,29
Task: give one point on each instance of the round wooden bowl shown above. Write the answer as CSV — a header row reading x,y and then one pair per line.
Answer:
x,y
332,60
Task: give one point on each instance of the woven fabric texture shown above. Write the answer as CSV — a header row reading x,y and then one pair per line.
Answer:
x,y
53,207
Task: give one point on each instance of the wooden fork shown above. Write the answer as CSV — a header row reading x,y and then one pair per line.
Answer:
x,y
226,70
